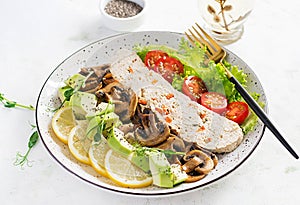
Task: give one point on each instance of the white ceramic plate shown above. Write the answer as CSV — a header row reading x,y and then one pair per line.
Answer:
x,y
100,52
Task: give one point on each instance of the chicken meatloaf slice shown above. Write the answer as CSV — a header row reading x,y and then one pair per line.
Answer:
x,y
191,120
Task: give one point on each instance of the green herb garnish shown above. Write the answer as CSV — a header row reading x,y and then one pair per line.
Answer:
x,y
67,94
101,126
12,104
21,160
71,91
98,135
169,152
141,151
32,125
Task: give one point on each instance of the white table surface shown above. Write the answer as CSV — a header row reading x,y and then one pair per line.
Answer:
x,y
37,35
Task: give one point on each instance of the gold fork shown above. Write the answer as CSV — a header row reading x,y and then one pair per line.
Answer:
x,y
216,53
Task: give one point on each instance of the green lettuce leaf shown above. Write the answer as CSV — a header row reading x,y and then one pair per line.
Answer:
x,y
214,75
177,82
193,58
251,121
188,56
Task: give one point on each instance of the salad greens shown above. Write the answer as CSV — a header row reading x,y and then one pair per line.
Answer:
x,y
194,60
251,121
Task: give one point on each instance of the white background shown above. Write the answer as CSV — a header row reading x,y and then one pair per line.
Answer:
x,y
36,35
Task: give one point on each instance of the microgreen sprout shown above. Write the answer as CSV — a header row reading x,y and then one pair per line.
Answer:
x,y
141,151
21,160
32,125
101,126
12,104
169,152
71,91
67,94
98,135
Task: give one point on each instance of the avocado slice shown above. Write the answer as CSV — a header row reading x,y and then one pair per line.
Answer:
x,y
61,93
101,109
117,142
179,175
111,120
141,160
82,104
75,81
91,129
108,118
161,170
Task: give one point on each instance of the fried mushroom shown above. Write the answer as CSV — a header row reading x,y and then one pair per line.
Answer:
x,y
124,99
213,156
94,81
151,131
175,144
197,165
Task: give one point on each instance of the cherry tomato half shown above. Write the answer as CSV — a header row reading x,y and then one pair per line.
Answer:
x,y
153,56
237,112
214,101
168,67
194,87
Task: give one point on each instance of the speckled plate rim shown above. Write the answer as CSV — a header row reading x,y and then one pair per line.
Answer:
x,y
123,190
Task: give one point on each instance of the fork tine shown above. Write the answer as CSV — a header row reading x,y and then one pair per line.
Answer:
x,y
195,38
203,41
189,37
211,40
218,56
200,41
214,51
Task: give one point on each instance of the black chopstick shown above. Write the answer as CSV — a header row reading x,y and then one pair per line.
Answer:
x,y
261,115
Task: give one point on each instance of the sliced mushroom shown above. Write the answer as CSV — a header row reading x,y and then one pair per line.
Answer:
x,y
194,178
94,81
107,88
90,86
191,164
130,138
209,153
151,132
126,128
212,156
124,99
175,144
108,78
208,166
84,71
197,164
101,70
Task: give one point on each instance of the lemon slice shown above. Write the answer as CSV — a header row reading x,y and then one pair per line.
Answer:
x,y
124,173
62,123
97,154
79,144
